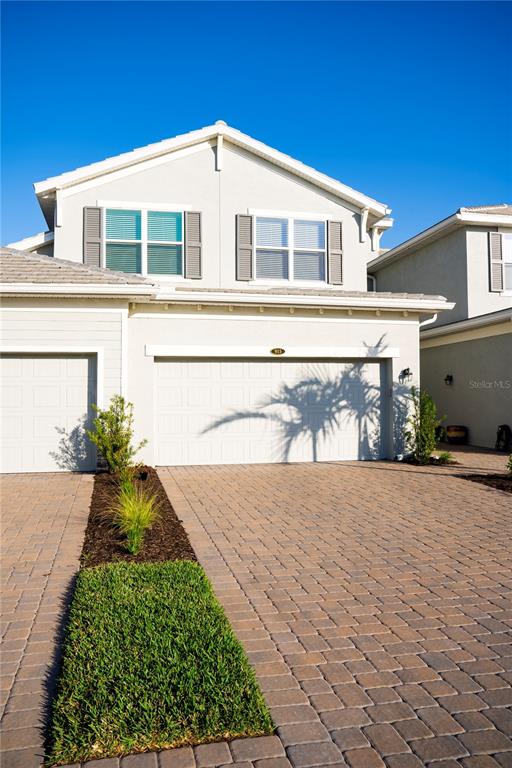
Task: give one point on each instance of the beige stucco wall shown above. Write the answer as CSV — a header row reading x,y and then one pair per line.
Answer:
x,y
480,299
247,327
244,182
481,394
438,268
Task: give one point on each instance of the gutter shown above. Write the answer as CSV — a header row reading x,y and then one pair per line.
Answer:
x,y
426,305
74,289
472,322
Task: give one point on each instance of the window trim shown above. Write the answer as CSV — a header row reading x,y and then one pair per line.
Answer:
x,y
290,248
144,208
505,259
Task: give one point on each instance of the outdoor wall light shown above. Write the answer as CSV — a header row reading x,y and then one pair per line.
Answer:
x,y
448,379
405,375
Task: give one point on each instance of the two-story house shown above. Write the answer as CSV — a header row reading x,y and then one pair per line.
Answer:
x,y
466,354
221,286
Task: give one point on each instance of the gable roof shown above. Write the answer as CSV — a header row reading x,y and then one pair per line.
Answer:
x,y
136,157
480,215
44,273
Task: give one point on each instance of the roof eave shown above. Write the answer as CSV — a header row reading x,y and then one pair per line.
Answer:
x,y
456,220
424,305
49,186
71,289
494,318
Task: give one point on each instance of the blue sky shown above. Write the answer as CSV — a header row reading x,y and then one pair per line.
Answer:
x,y
408,102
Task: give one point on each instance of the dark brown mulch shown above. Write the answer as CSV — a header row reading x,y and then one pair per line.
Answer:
x,y
103,543
500,482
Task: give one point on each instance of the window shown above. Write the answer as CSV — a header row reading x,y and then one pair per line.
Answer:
x,y
507,261
145,242
290,249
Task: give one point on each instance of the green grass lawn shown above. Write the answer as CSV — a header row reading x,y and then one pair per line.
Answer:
x,y
150,661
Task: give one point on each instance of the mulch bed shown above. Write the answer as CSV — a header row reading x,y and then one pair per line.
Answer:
x,y
103,543
500,482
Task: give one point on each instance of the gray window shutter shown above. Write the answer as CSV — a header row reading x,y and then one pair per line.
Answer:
x,y
193,245
495,262
244,247
92,237
334,253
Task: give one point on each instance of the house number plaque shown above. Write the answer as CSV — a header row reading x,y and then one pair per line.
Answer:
x,y
277,351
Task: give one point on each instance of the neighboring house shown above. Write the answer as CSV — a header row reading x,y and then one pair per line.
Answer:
x,y
236,319
466,354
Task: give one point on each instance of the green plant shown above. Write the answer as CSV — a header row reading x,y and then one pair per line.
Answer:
x,y
509,464
113,435
445,457
134,512
423,422
150,662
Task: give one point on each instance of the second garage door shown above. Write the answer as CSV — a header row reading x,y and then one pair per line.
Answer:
x,y
259,411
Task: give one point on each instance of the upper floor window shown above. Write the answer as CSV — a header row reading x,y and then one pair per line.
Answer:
x,y
144,242
290,249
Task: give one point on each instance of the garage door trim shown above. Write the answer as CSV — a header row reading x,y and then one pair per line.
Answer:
x,y
196,350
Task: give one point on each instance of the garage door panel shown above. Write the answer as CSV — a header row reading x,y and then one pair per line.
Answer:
x,y
278,411
46,403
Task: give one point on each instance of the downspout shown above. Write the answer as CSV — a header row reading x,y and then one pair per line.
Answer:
x,y
429,321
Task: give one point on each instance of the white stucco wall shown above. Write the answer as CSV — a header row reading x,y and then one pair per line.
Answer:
x,y
247,327
244,182
438,268
480,397
480,299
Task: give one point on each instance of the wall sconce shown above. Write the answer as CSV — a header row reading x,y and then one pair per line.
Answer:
x,y
405,375
448,379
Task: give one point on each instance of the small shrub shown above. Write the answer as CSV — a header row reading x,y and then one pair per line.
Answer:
x,y
445,457
134,512
509,464
113,435
423,423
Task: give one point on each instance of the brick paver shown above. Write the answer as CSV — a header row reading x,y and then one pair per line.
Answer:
x,y
43,522
373,601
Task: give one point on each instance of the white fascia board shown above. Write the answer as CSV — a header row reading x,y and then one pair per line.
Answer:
x,y
246,351
74,289
33,241
123,160
399,250
437,230
236,137
433,304
472,322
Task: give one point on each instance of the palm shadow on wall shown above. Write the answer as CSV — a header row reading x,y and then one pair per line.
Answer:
x,y
316,406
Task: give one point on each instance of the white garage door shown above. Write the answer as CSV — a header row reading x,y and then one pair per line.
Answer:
x,y
46,400
240,411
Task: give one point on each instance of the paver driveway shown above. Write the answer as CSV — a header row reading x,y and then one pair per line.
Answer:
x,y
374,602
371,599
